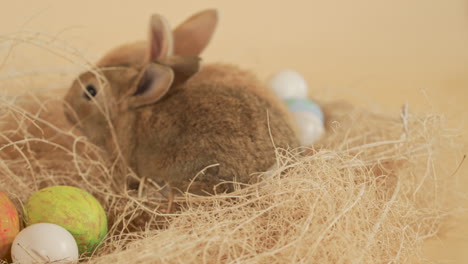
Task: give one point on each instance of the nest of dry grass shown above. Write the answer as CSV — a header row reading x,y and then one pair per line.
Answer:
x,y
370,192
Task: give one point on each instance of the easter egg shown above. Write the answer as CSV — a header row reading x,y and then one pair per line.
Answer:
x,y
310,127
289,84
71,208
9,225
44,243
304,105
309,119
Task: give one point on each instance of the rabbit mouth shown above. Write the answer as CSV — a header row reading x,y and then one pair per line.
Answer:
x,y
70,117
73,119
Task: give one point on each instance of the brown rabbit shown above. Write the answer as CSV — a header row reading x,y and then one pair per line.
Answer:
x,y
171,118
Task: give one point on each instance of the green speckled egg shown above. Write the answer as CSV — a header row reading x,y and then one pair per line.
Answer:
x,y
73,209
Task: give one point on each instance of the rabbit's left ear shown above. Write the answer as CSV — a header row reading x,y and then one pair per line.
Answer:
x,y
160,39
193,35
154,82
183,67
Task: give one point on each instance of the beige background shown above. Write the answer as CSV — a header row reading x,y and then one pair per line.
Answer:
x,y
374,53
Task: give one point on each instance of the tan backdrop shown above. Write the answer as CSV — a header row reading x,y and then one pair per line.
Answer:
x,y
377,54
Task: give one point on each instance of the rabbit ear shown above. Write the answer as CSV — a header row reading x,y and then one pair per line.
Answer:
x,y
183,67
153,84
192,36
160,38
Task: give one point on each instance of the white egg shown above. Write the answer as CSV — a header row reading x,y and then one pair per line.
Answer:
x,y
44,242
289,84
310,126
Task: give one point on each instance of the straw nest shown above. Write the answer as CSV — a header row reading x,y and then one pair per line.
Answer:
x,y
370,192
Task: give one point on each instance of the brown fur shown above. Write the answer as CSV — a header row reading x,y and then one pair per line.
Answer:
x,y
126,54
221,116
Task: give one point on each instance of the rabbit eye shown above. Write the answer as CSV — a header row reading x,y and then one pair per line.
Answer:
x,y
90,90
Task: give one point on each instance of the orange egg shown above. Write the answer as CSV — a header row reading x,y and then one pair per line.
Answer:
x,y
9,225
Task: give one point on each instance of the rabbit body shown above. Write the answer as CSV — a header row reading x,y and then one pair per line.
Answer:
x,y
207,121
197,129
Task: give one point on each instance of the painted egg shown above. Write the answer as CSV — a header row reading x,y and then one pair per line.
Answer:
x,y
44,243
309,119
71,208
305,105
289,84
9,225
310,127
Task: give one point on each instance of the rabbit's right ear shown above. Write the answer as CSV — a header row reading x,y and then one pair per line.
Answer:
x,y
160,39
153,83
193,35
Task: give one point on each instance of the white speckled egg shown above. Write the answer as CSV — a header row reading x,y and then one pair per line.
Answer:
x,y
289,84
44,243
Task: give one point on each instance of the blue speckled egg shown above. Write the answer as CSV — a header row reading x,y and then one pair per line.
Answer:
x,y
304,105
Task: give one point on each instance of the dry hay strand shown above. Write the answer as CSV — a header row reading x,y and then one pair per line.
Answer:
x,y
370,192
